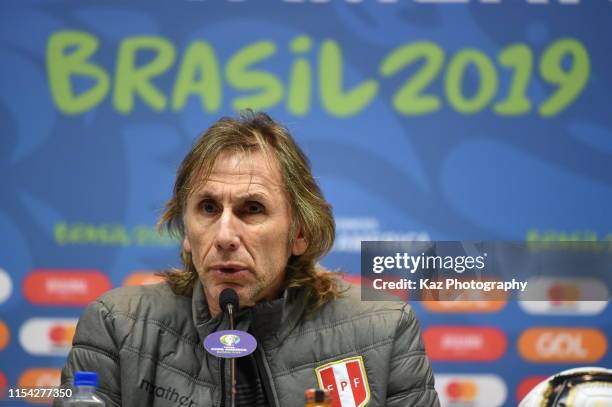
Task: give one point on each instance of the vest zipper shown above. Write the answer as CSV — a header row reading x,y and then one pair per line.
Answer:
x,y
262,367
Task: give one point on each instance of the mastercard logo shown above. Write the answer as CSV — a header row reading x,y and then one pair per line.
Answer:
x,y
563,293
61,335
40,377
461,343
47,336
64,287
5,335
564,296
6,286
562,345
527,385
461,390
142,278
472,390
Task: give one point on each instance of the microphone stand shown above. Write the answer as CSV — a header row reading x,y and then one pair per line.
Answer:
x,y
230,312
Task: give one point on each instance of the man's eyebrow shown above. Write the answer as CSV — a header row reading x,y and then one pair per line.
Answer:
x,y
206,195
248,196
253,196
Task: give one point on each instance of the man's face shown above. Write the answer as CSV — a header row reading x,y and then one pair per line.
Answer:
x,y
237,229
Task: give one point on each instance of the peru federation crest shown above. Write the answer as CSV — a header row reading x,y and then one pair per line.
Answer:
x,y
347,381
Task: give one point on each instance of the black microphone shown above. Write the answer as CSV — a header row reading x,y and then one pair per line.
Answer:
x,y
228,302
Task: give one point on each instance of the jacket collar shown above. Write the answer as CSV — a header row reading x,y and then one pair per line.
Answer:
x,y
270,321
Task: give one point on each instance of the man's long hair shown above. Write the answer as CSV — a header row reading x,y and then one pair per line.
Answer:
x,y
311,214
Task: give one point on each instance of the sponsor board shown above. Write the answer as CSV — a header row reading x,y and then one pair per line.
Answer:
x,y
472,390
527,385
64,287
562,345
142,278
5,335
6,286
565,296
464,343
47,336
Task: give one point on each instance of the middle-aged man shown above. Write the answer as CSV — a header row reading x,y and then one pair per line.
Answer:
x,y
250,217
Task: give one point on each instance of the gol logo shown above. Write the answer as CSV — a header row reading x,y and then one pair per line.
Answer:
x,y
5,335
526,386
64,287
459,343
47,336
40,377
470,390
142,278
562,345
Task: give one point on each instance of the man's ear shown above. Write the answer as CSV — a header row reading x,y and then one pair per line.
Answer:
x,y
186,245
299,245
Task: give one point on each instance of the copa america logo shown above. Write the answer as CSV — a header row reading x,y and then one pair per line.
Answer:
x,y
229,340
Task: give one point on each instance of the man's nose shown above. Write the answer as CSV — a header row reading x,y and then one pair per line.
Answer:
x,y
228,236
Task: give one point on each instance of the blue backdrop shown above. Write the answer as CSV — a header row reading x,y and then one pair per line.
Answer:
x,y
422,119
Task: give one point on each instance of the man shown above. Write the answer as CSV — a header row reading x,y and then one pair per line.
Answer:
x,y
250,217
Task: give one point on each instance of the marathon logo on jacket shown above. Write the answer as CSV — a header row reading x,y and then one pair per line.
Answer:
x,y
347,381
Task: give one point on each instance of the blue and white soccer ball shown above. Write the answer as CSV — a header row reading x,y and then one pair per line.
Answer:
x,y
581,387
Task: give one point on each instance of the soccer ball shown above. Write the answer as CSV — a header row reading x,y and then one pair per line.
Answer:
x,y
581,387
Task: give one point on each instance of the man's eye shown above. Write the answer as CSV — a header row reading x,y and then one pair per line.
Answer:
x,y
253,208
209,207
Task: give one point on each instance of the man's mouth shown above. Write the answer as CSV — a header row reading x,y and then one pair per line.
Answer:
x,y
229,271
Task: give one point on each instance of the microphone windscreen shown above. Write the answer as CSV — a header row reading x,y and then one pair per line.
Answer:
x,y
228,296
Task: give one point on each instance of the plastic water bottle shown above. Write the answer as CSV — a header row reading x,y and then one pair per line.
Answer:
x,y
85,384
